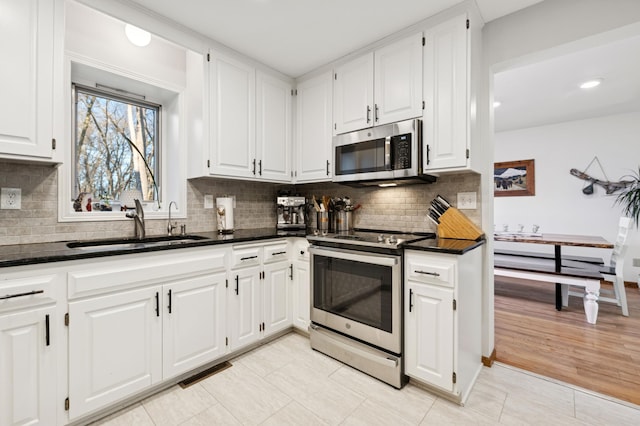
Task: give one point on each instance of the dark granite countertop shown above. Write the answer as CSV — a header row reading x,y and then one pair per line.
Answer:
x,y
31,254
444,245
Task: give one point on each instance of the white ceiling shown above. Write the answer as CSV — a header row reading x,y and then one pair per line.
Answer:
x,y
297,36
547,92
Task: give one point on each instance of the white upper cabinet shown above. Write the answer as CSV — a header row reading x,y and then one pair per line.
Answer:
x,y
250,125
353,95
313,129
446,118
398,81
232,106
273,128
28,32
380,87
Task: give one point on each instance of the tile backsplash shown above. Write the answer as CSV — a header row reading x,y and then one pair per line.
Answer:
x,y
401,208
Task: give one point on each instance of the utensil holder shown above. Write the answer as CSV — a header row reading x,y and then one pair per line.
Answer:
x,y
322,221
344,221
454,224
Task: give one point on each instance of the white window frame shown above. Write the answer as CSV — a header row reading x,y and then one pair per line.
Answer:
x,y
173,155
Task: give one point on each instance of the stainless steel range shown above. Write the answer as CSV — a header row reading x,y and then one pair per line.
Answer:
x,y
356,300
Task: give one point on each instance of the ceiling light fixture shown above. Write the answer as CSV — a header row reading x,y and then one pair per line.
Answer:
x,y
137,36
387,185
591,83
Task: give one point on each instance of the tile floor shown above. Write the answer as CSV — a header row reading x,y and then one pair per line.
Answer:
x,y
287,383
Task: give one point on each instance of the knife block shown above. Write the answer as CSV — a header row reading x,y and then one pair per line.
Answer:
x,y
454,224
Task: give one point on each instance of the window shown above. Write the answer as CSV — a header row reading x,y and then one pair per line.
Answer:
x,y
116,147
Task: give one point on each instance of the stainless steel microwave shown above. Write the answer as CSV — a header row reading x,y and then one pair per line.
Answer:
x,y
390,154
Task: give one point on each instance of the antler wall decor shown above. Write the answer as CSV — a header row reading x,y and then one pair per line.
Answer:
x,y
609,187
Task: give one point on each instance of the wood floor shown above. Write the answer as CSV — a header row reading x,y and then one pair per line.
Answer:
x,y
532,335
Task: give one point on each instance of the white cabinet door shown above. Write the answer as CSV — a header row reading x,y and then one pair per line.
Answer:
x,y
115,348
446,86
301,294
353,95
26,78
232,105
429,334
398,81
313,129
273,125
244,299
277,297
28,367
193,323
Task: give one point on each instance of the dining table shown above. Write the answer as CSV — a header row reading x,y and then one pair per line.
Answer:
x,y
557,241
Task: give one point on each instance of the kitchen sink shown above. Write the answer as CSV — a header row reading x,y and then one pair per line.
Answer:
x,y
134,243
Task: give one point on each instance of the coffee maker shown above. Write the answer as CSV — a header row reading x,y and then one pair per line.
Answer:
x,y
291,212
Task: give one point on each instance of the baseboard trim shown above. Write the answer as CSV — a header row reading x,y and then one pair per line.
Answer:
x,y
488,361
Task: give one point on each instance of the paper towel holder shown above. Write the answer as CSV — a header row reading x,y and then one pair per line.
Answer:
x,y
224,214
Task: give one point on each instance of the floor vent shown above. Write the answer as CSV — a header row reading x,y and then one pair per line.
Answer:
x,y
204,374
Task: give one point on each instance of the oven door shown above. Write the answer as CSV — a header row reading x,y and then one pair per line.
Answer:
x,y
358,294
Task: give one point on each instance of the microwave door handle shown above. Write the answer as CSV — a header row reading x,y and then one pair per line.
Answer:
x,y
387,153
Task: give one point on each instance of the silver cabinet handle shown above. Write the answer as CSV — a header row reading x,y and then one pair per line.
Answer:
x,y
434,274
28,293
368,114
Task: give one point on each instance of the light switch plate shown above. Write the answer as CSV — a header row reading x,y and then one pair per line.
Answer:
x,y
467,201
10,198
208,201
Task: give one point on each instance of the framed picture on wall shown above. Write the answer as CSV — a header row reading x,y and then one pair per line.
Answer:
x,y
514,178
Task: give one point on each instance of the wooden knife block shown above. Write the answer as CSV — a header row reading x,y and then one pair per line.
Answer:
x,y
454,224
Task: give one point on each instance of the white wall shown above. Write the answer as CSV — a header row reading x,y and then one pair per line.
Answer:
x,y
559,205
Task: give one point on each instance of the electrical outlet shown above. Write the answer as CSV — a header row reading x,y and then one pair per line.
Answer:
x,y
10,198
467,200
208,201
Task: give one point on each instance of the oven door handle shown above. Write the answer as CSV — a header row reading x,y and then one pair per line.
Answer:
x,y
358,256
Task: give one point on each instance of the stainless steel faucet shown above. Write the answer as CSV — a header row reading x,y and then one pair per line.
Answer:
x,y
138,219
171,227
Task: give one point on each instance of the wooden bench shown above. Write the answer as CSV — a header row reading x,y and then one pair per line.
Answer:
x,y
565,257
543,269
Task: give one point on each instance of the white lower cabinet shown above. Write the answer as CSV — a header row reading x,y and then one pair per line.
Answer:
x,y
259,292
193,323
277,297
243,320
301,292
115,348
28,367
29,344
442,305
138,320
429,332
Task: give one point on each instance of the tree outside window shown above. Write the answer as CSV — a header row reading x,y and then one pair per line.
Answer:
x,y
116,146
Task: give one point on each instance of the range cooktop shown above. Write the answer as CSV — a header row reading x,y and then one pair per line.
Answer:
x,y
369,238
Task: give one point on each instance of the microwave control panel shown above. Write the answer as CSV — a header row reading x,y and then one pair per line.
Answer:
x,y
401,151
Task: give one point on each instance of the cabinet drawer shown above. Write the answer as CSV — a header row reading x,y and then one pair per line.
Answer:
x,y
28,291
276,252
243,257
433,271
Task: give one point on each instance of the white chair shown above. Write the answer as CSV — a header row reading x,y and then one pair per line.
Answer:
x,y
614,271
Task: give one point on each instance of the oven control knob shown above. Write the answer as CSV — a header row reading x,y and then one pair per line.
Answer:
x,y
381,238
393,239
